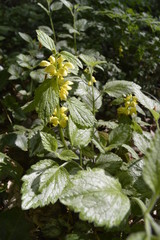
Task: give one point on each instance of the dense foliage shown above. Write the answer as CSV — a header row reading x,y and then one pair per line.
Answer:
x,y
80,137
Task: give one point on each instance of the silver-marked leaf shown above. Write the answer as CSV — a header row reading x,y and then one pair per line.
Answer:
x,y
45,40
109,162
141,141
146,101
78,136
46,99
43,184
119,88
97,197
151,171
66,155
107,124
80,114
48,141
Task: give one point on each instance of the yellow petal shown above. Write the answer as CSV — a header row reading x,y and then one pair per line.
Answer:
x,y
63,123
63,110
55,111
52,59
62,72
44,63
93,79
60,60
54,121
51,70
89,83
69,65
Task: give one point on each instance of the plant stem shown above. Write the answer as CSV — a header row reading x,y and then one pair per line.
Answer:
x,y
81,160
152,203
62,137
52,26
93,99
51,22
75,35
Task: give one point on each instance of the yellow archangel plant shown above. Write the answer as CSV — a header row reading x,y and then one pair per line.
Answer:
x,y
59,68
129,108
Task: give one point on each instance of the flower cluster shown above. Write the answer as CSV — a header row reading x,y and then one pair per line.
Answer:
x,y
130,103
64,87
59,117
93,80
59,68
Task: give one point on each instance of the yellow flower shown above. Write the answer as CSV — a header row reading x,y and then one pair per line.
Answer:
x,y
129,108
57,67
59,118
64,88
54,121
93,80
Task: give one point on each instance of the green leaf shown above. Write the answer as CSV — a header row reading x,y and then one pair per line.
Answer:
x,y
131,150
46,99
25,37
141,142
137,236
96,141
38,75
45,9
45,40
71,58
67,4
15,139
107,124
9,168
118,88
120,134
155,115
48,141
109,162
55,6
35,145
14,225
80,114
83,8
81,25
66,155
85,92
90,60
146,101
78,136
151,171
98,198
15,72
43,184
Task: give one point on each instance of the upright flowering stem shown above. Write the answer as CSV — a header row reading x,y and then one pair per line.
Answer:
x,y
60,128
81,160
62,136
51,22
75,35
